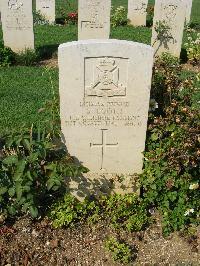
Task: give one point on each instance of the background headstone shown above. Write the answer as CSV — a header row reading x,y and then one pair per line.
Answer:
x,y
171,14
46,9
104,98
17,24
94,19
188,10
137,12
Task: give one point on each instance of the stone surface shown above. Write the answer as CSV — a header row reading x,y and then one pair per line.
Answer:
x,y
170,13
17,24
47,9
188,10
137,12
104,99
94,19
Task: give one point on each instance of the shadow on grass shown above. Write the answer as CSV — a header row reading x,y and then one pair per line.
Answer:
x,y
60,21
183,56
194,25
47,51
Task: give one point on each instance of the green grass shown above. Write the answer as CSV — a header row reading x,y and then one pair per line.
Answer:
x,y
23,91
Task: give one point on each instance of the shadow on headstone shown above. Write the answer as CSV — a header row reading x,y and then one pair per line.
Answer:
x,y
96,185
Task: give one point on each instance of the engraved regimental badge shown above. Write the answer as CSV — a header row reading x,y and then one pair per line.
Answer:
x,y
106,79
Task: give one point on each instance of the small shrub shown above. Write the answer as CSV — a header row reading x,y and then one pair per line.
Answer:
x,y
69,211
120,211
165,79
118,17
27,57
171,169
39,19
32,171
120,251
7,56
193,48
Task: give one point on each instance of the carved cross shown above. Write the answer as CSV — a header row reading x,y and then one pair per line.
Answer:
x,y
103,145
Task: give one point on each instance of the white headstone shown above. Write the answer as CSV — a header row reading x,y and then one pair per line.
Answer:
x,y
137,12
188,10
47,9
171,15
94,19
104,100
17,24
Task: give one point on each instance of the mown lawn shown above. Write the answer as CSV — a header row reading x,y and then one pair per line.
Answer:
x,y
23,90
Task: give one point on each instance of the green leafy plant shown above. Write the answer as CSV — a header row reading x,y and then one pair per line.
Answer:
x,y
28,57
165,79
120,211
7,56
193,48
118,16
32,171
120,251
68,211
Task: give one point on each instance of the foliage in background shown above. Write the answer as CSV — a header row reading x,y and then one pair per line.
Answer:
x,y
193,47
150,14
7,56
171,170
119,16
72,18
28,57
39,19
120,251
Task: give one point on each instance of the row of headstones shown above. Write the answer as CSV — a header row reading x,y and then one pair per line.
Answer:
x,y
94,21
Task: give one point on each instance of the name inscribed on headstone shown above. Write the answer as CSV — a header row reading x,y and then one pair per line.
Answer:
x,y
137,12
17,24
47,9
104,103
94,19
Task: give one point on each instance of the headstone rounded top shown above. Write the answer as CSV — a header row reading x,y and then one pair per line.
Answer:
x,y
105,41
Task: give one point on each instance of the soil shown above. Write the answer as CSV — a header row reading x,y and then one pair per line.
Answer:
x,y
51,63
37,243
190,67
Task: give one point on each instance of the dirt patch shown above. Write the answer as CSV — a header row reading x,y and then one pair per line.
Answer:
x,y
190,67
51,63
28,243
